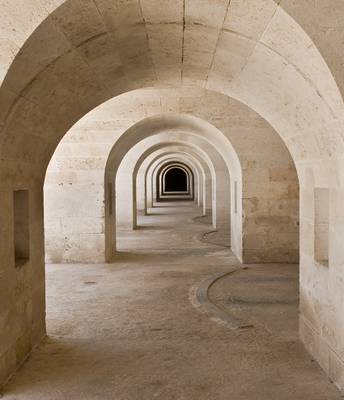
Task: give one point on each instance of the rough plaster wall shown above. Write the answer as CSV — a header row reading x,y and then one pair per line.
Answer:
x,y
268,84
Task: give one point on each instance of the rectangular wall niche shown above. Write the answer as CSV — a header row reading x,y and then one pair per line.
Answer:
x,y
21,227
321,225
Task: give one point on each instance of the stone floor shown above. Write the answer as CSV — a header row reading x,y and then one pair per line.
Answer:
x,y
130,331
220,236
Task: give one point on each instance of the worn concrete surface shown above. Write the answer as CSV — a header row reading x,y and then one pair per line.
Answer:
x,y
129,331
263,296
220,237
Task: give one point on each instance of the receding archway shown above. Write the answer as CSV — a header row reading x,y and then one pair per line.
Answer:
x,y
78,64
175,180
146,169
199,132
191,138
185,183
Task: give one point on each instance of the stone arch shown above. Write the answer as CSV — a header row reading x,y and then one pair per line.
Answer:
x,y
204,196
182,139
272,45
165,156
178,128
189,151
186,173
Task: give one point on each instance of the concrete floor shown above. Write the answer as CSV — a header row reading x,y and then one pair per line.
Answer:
x,y
129,331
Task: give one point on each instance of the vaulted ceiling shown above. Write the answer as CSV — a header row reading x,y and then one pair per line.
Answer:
x,y
85,52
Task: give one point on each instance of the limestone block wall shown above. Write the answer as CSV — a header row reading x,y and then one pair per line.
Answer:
x,y
74,196
270,198
22,280
272,214
321,283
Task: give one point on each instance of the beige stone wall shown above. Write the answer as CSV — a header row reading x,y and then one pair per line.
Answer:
x,y
270,202
321,291
74,195
22,286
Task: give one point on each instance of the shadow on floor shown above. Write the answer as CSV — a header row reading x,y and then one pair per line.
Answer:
x,y
153,227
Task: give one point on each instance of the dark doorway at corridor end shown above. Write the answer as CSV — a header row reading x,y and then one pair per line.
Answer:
x,y
176,180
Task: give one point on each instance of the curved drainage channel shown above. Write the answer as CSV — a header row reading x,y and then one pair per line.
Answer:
x,y
200,299
202,237
205,239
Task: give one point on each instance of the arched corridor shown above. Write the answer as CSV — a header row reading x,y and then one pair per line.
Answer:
x,y
242,266
134,330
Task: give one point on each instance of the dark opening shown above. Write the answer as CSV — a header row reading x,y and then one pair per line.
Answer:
x,y
176,180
